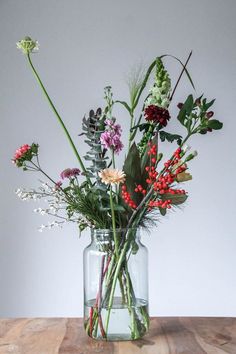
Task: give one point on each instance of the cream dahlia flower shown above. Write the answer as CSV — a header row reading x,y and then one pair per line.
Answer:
x,y
112,176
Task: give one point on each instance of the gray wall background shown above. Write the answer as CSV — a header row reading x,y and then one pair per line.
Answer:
x,y
86,45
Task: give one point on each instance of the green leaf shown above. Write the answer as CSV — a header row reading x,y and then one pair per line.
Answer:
x,y
182,64
145,160
214,124
186,110
141,127
132,162
170,137
176,199
134,247
149,70
125,104
188,104
162,211
132,169
206,106
118,207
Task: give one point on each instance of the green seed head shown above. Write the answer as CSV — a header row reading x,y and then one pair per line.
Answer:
x,y
27,45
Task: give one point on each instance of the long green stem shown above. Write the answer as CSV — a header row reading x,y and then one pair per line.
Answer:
x,y
131,126
113,159
113,223
115,277
59,118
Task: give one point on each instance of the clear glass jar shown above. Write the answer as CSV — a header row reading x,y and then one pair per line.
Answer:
x,y
116,285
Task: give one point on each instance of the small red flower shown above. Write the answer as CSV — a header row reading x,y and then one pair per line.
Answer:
x,y
157,114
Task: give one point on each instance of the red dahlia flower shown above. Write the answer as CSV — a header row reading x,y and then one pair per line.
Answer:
x,y
157,115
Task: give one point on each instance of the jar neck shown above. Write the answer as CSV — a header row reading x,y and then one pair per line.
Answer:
x,y
107,235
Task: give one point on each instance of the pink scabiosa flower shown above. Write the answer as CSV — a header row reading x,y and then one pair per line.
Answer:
x,y
110,138
70,172
75,172
65,173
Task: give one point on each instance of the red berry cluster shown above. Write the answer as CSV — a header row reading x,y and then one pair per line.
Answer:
x,y
140,189
162,184
127,197
159,204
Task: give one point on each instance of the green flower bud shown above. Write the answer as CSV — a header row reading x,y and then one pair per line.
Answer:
x,y
27,45
161,88
191,156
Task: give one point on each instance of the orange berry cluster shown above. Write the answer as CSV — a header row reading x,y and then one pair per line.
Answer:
x,y
127,197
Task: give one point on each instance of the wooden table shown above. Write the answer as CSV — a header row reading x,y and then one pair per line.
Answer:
x,y
167,335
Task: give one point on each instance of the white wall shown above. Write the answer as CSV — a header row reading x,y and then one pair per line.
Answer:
x,y
86,45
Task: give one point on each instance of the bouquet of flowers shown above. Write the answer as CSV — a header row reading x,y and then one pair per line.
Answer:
x,y
102,196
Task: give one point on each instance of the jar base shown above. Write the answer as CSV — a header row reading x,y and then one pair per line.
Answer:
x,y
125,322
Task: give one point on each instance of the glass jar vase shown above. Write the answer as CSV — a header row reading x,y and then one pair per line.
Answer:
x,y
116,285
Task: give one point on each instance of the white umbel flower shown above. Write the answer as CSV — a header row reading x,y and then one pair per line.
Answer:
x,y
27,45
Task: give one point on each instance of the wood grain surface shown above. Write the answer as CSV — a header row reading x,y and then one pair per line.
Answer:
x,y
167,335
